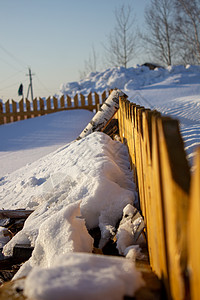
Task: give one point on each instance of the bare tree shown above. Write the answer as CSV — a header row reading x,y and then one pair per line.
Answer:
x,y
90,64
121,46
161,36
188,29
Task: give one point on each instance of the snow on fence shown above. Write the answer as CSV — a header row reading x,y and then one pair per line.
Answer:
x,y
169,202
15,111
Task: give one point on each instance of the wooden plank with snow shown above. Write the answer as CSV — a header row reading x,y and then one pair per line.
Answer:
x,y
15,214
104,115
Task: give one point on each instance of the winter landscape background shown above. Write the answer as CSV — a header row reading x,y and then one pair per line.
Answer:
x,y
68,183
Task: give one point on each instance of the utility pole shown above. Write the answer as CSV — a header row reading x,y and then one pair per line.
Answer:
x,y
30,87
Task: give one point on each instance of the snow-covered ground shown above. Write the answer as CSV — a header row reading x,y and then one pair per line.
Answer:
x,y
174,91
75,185
26,141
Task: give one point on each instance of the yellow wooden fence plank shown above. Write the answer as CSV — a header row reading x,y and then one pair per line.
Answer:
x,y
103,97
62,101
1,113
175,183
90,104
55,104
157,227
7,109
14,110
193,229
28,109
96,99
76,100
35,108
69,102
42,110
82,101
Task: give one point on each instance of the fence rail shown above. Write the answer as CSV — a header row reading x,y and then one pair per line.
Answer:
x,y
15,111
169,197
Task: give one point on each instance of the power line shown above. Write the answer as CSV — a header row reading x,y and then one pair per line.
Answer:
x,y
11,76
19,61
43,85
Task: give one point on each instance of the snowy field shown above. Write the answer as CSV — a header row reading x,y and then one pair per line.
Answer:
x,y
73,185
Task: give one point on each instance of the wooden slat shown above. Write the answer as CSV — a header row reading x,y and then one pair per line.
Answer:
x,y
69,101
42,110
7,109
82,100
76,100
90,107
35,108
193,229
14,110
48,102
21,109
28,109
62,101
156,228
15,214
55,103
103,97
1,113
97,102
176,182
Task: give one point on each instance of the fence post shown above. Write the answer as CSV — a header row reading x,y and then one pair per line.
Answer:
x,y
21,109
96,100
69,102
175,185
193,229
158,248
41,102
55,104
76,101
28,109
7,107
14,111
62,101
48,102
1,113
82,101
90,101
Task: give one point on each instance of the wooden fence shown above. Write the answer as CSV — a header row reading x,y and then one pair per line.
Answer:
x,y
169,197
15,111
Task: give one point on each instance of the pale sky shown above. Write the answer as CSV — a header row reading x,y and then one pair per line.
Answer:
x,y
54,38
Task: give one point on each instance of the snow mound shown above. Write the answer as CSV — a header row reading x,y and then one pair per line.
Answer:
x,y
127,79
94,170
85,276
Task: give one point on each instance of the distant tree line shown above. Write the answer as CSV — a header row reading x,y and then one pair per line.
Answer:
x,y
172,35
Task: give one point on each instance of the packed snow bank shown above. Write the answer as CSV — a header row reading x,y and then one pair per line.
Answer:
x,y
84,276
26,141
130,79
82,185
94,170
173,91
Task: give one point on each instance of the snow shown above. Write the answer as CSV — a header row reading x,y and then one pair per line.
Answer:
x,y
76,185
26,141
107,111
93,170
127,229
174,91
84,276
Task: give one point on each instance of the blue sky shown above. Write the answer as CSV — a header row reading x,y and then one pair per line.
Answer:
x,y
54,38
